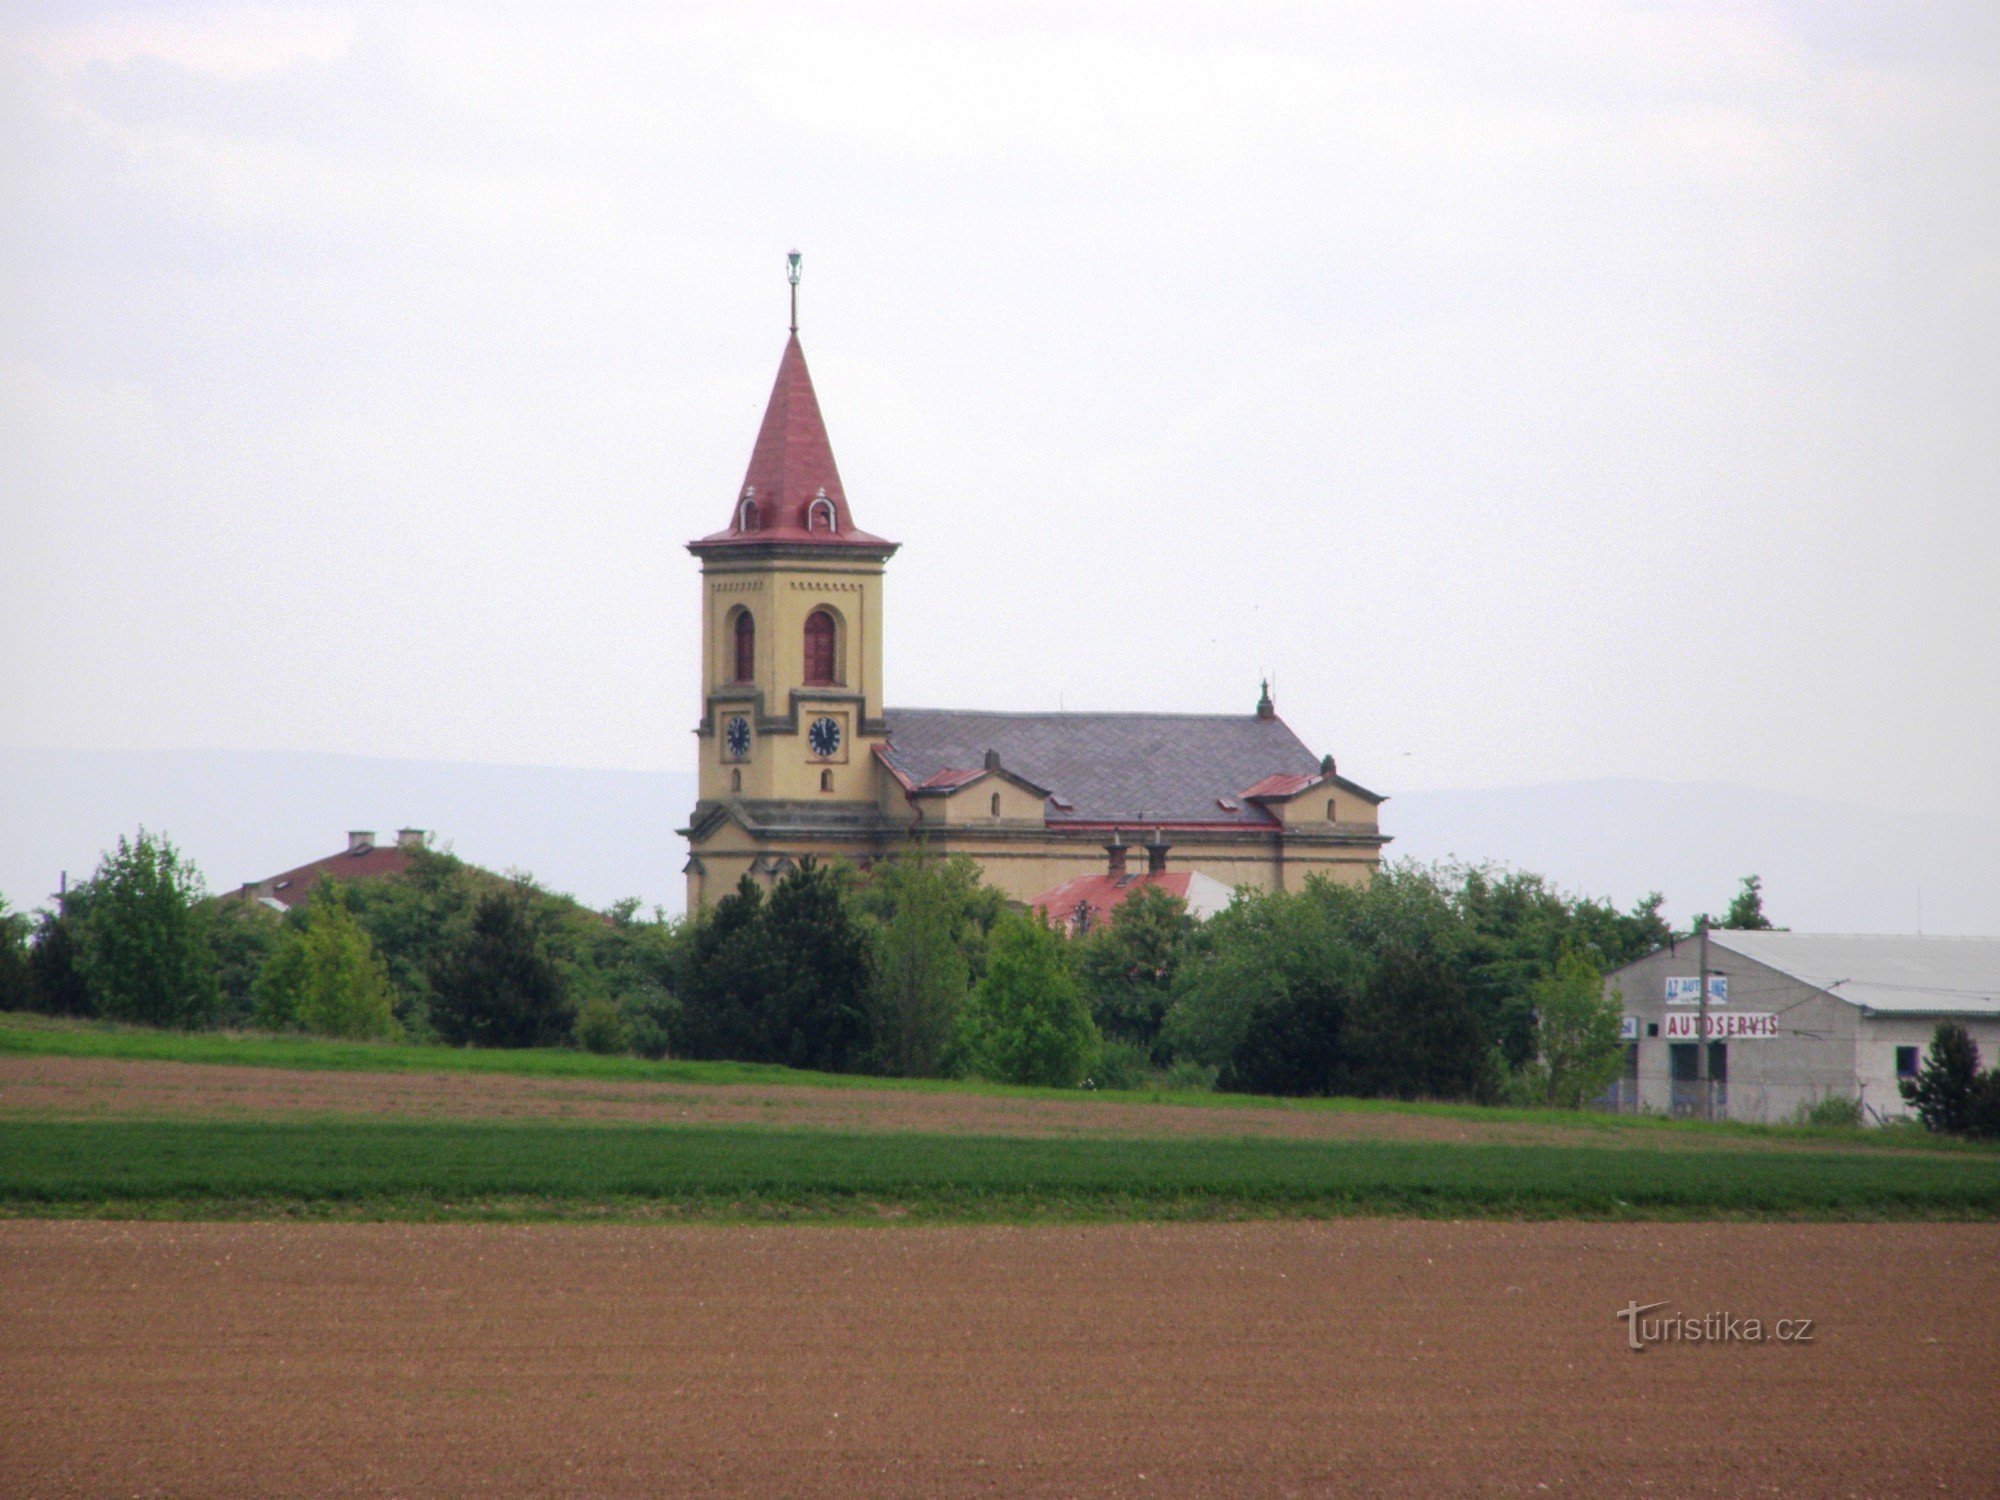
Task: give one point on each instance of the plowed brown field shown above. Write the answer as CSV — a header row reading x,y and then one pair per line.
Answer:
x,y
1357,1356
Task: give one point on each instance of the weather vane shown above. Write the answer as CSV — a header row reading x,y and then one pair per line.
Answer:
x,y
792,275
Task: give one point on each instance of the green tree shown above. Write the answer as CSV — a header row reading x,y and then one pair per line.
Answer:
x,y
324,976
57,984
1746,912
1262,995
1414,1032
820,1016
497,985
1577,1026
145,942
241,934
1942,1091
17,985
730,966
1026,1021
921,969
1128,967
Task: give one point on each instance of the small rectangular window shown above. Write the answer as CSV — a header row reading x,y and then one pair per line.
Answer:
x,y
1906,1062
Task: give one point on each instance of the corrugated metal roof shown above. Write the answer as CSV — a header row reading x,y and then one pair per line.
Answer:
x,y
1105,768
1908,975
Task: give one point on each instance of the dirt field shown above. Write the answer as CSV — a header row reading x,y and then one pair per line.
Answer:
x,y
1356,1356
58,1088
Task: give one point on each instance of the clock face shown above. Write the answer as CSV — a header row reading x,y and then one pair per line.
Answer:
x,y
736,738
823,738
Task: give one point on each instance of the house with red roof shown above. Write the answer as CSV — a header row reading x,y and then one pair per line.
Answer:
x,y
800,755
362,859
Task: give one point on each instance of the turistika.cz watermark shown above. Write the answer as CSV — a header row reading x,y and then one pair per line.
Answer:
x,y
1642,1332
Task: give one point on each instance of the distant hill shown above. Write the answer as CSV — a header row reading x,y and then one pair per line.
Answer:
x,y
601,835
1826,866
597,835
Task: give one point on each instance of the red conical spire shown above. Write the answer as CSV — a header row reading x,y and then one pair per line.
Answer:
x,y
792,492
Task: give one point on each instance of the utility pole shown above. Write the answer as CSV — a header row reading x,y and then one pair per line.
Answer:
x,y
1701,1026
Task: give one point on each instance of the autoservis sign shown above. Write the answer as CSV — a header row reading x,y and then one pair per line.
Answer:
x,y
1723,1026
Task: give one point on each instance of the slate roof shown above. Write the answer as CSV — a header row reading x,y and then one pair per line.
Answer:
x,y
1897,974
1110,768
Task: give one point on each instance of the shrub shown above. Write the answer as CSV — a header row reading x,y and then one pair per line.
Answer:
x,y
1834,1112
1123,1065
601,1028
1188,1078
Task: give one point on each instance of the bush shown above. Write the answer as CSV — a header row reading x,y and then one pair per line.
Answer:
x,y
1188,1078
1123,1065
1834,1112
600,1028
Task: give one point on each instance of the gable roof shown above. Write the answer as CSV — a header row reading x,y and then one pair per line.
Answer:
x,y
1111,768
1897,974
790,467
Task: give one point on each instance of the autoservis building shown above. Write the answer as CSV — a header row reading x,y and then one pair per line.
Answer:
x,y
800,756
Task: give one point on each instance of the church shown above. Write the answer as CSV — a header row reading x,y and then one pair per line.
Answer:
x,y
799,754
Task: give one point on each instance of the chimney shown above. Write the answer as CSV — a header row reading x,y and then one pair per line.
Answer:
x,y
409,838
992,760
1156,853
360,840
1116,849
1266,709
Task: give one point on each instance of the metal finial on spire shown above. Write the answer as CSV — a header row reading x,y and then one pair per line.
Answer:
x,y
792,275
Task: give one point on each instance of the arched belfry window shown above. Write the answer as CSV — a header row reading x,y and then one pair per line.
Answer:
x,y
746,512
819,514
746,646
822,663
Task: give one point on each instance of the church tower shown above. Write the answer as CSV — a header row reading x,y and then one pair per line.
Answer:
x,y
791,625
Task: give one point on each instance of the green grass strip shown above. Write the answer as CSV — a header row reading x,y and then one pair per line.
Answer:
x,y
35,1036
379,1169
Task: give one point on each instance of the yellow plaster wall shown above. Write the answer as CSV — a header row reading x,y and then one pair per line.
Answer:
x,y
780,595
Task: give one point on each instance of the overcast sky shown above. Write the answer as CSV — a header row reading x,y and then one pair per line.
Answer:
x,y
1538,392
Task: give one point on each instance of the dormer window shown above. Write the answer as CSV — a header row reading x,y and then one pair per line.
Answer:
x,y
819,514
746,510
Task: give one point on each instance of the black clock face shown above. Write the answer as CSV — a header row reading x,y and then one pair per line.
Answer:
x,y
823,738
736,737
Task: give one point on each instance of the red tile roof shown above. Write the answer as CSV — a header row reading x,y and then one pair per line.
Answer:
x,y
294,886
790,468
1100,893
